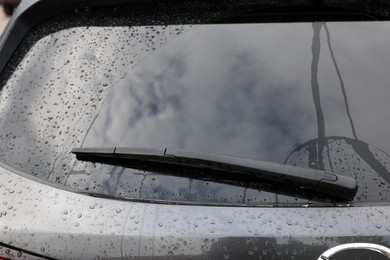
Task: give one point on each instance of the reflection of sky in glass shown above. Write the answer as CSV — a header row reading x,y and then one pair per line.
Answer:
x,y
245,90
219,89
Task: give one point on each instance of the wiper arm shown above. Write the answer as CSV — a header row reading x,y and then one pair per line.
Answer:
x,y
227,167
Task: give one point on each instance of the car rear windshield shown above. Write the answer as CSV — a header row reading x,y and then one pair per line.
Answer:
x,y
310,94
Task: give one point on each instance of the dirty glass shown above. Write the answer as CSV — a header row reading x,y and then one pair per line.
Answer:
x,y
307,94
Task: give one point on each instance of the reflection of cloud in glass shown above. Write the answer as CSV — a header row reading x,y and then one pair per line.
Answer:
x,y
223,92
241,90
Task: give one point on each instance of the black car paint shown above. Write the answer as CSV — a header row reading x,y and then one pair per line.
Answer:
x,y
170,231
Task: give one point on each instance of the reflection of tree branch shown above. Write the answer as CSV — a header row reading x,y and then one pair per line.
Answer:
x,y
363,150
244,196
316,48
117,180
341,81
142,185
329,158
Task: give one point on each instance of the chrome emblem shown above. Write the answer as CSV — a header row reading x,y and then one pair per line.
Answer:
x,y
365,246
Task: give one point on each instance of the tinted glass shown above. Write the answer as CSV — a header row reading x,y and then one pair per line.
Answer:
x,y
308,94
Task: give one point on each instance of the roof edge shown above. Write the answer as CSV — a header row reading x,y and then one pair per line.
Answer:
x,y
31,13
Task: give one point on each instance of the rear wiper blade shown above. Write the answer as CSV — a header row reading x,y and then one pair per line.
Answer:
x,y
230,167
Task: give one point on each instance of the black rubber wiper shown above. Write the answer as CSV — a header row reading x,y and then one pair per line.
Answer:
x,y
221,166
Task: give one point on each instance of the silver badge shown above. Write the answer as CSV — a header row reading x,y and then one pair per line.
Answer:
x,y
365,246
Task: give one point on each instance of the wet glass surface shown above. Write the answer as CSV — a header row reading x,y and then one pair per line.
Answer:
x,y
312,95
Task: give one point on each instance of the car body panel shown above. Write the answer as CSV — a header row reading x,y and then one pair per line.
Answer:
x,y
80,226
